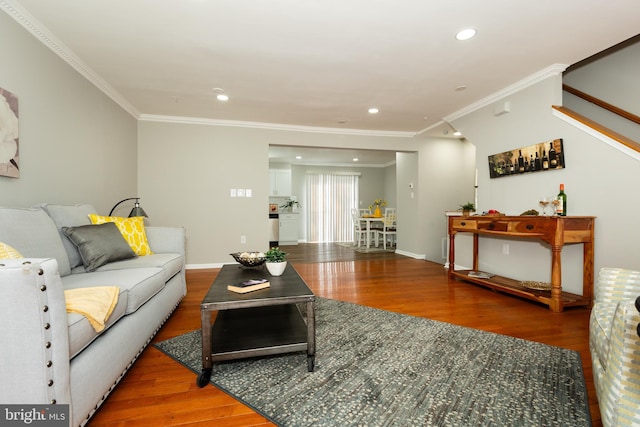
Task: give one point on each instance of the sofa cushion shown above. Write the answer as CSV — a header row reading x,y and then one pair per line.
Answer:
x,y
99,244
81,333
171,264
34,234
7,252
140,283
69,216
132,230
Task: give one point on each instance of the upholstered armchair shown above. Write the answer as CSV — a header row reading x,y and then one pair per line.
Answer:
x,y
615,346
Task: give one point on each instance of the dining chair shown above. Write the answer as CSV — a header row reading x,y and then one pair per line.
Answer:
x,y
359,232
363,212
388,228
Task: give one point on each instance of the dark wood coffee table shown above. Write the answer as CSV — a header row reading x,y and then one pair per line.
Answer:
x,y
258,323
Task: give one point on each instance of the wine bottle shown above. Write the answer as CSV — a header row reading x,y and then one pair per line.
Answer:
x,y
562,198
532,165
520,162
553,159
537,162
545,160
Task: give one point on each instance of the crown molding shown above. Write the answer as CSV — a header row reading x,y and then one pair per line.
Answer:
x,y
541,75
40,32
272,126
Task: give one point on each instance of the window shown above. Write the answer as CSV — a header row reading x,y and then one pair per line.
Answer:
x,y
331,198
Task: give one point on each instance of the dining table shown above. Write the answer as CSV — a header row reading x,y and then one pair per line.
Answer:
x,y
368,219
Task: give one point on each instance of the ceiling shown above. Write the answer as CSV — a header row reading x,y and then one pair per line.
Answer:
x,y
319,63
330,157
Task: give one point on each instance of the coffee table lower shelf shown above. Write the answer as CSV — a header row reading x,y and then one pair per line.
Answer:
x,y
511,286
257,331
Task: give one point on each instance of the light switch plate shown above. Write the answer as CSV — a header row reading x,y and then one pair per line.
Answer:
x,y
241,192
233,193
248,192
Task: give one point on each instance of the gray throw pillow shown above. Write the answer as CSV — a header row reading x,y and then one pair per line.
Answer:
x,y
99,244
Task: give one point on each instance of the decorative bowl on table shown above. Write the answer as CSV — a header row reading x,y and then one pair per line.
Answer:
x,y
249,259
538,286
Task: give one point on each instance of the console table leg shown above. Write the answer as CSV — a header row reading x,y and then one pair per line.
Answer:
x,y
556,304
452,253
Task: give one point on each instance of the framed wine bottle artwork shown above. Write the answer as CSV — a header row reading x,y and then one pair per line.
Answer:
x,y
541,157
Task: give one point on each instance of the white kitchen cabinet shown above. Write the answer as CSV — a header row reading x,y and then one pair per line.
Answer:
x,y
280,182
289,223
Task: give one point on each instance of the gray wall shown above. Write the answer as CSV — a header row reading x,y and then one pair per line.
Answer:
x,y
186,172
76,144
600,181
611,78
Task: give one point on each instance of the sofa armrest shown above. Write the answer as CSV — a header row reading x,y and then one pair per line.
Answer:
x,y
34,361
620,399
617,284
166,239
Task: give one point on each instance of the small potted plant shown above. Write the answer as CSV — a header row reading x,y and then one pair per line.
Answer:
x,y
291,205
275,260
468,208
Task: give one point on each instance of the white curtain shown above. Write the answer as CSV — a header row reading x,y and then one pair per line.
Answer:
x,y
331,197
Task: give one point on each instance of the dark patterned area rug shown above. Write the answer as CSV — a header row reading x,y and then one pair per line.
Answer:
x,y
378,368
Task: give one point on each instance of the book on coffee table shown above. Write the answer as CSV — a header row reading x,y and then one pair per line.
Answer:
x,y
480,274
249,286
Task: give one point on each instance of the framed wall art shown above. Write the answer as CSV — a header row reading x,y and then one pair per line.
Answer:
x,y
9,136
541,157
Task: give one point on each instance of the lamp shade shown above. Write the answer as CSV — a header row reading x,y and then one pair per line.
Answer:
x,y
136,211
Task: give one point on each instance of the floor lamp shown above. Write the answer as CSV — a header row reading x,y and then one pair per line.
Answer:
x,y
136,211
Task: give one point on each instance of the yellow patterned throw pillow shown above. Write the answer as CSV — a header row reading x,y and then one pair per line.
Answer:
x,y
132,230
7,252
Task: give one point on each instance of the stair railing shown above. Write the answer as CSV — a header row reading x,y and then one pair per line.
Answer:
x,y
602,104
627,142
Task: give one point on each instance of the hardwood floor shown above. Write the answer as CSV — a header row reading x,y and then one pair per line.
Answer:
x,y
157,391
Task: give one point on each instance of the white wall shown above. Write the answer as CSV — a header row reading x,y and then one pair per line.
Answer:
x,y
600,181
76,144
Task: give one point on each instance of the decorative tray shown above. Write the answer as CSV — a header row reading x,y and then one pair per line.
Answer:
x,y
538,286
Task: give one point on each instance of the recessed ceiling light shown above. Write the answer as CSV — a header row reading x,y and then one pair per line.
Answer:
x,y
222,97
457,133
298,157
355,159
373,110
466,34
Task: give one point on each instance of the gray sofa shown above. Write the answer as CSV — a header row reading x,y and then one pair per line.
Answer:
x,y
51,356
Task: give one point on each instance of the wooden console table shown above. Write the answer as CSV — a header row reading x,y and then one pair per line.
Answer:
x,y
556,231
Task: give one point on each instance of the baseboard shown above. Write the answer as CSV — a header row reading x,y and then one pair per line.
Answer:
x,y
411,254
